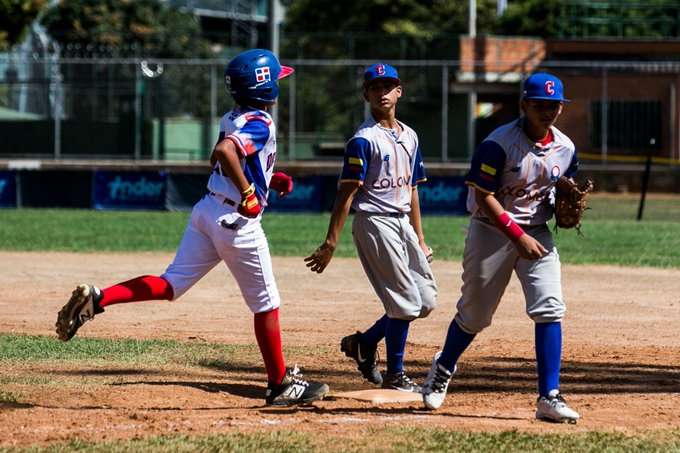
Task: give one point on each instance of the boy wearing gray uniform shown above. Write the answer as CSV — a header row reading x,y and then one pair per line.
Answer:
x,y
382,168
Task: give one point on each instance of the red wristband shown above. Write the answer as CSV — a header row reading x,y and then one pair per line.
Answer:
x,y
509,227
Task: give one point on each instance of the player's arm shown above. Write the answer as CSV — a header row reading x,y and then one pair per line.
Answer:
x,y
528,247
484,177
357,156
227,155
318,260
414,215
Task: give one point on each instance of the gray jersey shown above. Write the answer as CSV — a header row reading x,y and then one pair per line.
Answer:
x,y
520,173
387,165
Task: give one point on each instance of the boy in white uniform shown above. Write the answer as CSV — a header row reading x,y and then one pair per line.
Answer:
x,y
225,226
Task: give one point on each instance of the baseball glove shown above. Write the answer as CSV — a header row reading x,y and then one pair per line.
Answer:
x,y
571,202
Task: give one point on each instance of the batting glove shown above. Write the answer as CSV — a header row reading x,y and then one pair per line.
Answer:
x,y
281,183
249,205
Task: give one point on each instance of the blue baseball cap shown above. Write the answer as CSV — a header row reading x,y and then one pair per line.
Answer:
x,y
545,86
380,71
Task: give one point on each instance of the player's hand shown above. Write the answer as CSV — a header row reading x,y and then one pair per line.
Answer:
x,y
317,261
281,183
249,205
529,248
427,250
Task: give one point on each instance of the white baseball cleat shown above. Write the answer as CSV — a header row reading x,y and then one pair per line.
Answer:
x,y
554,408
436,384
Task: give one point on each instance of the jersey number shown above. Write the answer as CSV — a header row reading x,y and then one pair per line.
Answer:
x,y
270,160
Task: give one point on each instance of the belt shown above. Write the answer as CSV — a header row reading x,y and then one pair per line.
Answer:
x,y
397,215
225,200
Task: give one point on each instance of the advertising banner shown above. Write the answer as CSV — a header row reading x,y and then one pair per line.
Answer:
x,y
443,195
8,190
306,196
129,190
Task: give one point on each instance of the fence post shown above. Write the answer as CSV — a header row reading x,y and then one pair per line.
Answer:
x,y
604,132
445,113
292,92
138,111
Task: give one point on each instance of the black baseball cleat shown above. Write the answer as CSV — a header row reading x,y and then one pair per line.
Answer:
x,y
363,355
81,307
399,381
294,390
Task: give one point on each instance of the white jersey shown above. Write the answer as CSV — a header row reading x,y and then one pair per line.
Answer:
x,y
254,134
386,164
520,173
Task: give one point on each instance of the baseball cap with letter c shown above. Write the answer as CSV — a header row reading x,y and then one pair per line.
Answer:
x,y
380,71
543,86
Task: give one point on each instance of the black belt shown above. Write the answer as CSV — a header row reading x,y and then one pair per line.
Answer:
x,y
225,200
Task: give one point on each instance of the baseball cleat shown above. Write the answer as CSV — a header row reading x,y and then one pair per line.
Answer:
x,y
364,356
81,307
436,384
399,381
294,390
554,408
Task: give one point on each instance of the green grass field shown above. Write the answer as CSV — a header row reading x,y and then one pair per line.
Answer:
x,y
611,235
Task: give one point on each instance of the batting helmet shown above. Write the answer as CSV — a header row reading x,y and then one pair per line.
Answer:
x,y
252,76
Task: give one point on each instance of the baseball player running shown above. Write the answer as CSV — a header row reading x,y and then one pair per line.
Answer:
x,y
225,226
511,182
382,167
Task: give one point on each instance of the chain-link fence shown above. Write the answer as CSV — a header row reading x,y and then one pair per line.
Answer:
x,y
170,109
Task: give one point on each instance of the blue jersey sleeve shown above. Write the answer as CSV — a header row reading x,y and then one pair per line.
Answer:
x,y
252,137
357,158
487,166
573,167
418,169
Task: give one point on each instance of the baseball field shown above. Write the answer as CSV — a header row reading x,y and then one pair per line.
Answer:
x,y
187,375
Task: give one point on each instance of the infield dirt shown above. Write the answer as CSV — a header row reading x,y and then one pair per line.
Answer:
x,y
620,364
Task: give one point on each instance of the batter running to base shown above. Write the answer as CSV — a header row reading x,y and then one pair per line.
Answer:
x,y
382,168
225,226
511,180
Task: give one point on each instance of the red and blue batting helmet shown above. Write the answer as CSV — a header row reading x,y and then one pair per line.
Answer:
x,y
252,76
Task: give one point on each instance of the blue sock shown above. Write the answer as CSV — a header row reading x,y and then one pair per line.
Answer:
x,y
375,333
395,342
457,340
548,356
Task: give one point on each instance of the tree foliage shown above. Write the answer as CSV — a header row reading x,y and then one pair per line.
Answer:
x,y
129,27
396,28
15,16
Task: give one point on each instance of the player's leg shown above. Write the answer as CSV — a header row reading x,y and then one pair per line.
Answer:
x,y
488,260
195,256
383,255
420,270
246,254
541,284
363,348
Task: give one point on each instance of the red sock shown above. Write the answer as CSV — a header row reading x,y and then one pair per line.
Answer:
x,y
268,334
146,287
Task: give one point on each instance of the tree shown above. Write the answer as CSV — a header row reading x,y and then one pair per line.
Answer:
x,y
15,16
126,27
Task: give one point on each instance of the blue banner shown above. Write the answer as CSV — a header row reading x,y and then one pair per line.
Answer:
x,y
443,195
129,190
8,190
306,196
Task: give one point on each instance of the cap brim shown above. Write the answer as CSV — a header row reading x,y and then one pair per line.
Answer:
x,y
545,98
285,72
368,82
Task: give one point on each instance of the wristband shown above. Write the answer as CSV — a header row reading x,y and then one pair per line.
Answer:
x,y
508,226
249,191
